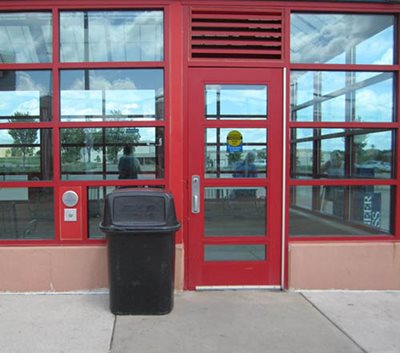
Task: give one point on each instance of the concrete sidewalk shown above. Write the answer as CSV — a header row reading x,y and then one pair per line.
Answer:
x,y
205,322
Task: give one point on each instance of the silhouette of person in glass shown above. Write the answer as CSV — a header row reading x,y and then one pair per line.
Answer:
x,y
334,167
128,165
246,168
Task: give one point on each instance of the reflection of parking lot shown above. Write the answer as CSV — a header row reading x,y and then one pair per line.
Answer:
x,y
376,165
260,164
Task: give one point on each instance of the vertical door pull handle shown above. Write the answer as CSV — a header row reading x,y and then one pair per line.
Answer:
x,y
195,194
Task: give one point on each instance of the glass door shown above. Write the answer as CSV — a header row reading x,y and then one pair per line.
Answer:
x,y
235,177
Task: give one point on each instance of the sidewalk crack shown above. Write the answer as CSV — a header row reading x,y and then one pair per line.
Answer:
x,y
112,335
334,323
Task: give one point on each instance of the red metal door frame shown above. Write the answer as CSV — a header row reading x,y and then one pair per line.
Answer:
x,y
229,273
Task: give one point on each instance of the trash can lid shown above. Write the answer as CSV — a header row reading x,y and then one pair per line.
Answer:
x,y
139,210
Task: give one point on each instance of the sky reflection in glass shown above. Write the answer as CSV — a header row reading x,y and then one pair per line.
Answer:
x,y
342,96
112,94
342,39
108,36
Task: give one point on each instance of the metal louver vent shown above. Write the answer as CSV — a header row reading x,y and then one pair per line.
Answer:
x,y
236,35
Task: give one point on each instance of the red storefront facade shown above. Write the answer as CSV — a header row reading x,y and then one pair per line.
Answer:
x,y
273,123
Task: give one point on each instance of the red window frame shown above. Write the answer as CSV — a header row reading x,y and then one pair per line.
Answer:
x,y
55,66
395,125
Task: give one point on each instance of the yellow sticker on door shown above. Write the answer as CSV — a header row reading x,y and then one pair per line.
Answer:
x,y
234,141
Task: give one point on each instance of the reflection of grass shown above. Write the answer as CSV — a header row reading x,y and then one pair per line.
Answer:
x,y
304,169
17,164
78,167
98,167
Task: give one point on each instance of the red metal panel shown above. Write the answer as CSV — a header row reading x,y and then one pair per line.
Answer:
x,y
71,228
233,273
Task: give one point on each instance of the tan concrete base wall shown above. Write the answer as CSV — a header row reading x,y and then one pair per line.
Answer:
x,y
59,269
179,267
373,266
355,266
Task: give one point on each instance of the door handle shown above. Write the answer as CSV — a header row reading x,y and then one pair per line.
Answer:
x,y
195,194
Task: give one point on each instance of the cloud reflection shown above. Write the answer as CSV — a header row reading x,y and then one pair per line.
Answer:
x,y
112,36
366,39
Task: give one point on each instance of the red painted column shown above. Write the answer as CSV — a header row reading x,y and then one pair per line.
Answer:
x,y
176,176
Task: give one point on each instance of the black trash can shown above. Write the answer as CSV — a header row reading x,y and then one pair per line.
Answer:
x,y
140,226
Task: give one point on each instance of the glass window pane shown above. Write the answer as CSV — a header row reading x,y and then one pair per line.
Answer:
x,y
245,102
235,153
342,39
234,253
110,95
374,100
96,197
112,153
26,213
235,211
26,154
25,96
341,210
25,37
342,153
111,36
342,96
